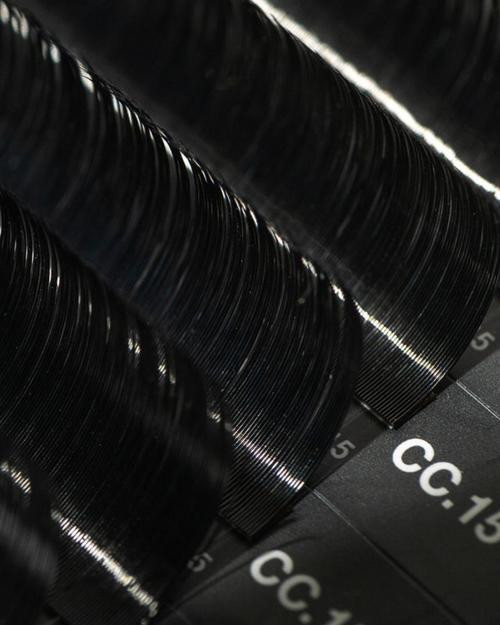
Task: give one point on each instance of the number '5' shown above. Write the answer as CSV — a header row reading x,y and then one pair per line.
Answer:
x,y
344,446
483,341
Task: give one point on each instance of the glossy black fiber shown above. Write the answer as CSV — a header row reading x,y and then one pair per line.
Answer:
x,y
440,60
279,340
49,617
412,240
28,539
119,424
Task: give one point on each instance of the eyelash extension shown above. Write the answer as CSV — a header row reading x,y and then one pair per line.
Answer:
x,y
411,239
28,539
439,60
278,339
136,459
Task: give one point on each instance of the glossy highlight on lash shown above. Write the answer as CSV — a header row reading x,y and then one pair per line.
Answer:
x,y
28,539
115,419
265,328
357,192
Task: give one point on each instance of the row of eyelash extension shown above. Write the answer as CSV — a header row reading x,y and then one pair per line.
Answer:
x,y
28,538
118,423
412,239
278,339
437,60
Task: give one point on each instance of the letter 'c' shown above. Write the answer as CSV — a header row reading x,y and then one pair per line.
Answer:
x,y
258,563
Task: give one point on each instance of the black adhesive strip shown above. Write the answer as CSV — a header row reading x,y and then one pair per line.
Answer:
x,y
136,460
411,238
279,340
28,539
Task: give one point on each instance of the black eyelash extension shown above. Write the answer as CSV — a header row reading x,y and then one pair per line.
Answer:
x,y
28,539
136,460
440,60
279,340
412,240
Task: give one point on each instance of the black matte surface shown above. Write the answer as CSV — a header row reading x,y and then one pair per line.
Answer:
x,y
353,578
413,528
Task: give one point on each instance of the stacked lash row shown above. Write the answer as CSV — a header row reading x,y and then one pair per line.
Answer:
x,y
274,340
439,60
264,327
115,420
136,458
347,183
28,538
